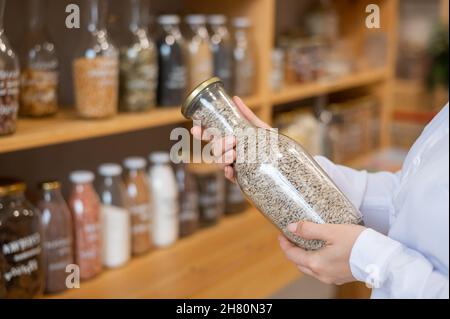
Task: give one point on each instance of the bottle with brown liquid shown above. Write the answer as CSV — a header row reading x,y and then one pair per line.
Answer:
x,y
58,235
85,206
138,192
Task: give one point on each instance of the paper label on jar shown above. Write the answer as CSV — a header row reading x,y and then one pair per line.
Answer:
x,y
165,223
58,253
21,254
90,240
141,219
177,78
9,91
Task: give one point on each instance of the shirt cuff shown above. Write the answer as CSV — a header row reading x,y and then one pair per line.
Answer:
x,y
370,256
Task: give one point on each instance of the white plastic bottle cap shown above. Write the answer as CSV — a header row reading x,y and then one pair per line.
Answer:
x,y
81,177
216,19
134,162
195,19
168,19
241,22
110,169
159,157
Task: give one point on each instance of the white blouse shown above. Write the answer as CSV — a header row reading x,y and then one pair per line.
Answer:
x,y
404,253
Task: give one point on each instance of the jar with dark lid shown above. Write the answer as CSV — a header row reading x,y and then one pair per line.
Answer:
x,y
188,200
58,235
277,174
21,256
211,192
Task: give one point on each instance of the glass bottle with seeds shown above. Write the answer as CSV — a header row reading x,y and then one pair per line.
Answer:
x,y
211,192
21,253
86,215
140,204
138,62
244,62
9,82
39,76
96,68
281,179
172,62
58,235
222,48
200,58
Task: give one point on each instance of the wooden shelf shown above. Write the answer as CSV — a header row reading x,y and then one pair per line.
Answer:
x,y
239,258
67,127
302,91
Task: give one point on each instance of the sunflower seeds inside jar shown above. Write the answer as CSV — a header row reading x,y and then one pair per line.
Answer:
x,y
275,173
138,62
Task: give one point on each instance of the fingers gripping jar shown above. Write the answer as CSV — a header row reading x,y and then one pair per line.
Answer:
x,y
289,185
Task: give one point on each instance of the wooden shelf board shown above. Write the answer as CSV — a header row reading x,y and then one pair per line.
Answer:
x,y
238,258
301,91
67,127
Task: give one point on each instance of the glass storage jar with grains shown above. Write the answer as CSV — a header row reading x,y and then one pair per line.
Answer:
x,y
96,67
281,179
222,48
39,76
21,264
138,62
244,62
172,62
9,82
200,59
188,200
58,235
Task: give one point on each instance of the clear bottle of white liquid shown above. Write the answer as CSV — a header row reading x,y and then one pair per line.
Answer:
x,y
116,224
163,188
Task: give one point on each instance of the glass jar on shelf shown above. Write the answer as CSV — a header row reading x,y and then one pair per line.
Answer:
x,y
86,215
188,200
140,204
211,192
116,226
138,62
244,61
9,81
21,253
280,178
173,73
39,76
222,48
164,190
58,235
200,58
96,67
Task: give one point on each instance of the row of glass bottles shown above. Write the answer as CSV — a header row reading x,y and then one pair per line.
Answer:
x,y
136,77
103,225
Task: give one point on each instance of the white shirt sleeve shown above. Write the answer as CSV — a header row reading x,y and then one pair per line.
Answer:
x,y
395,269
371,193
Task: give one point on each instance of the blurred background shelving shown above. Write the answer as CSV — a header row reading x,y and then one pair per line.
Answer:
x,y
239,257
